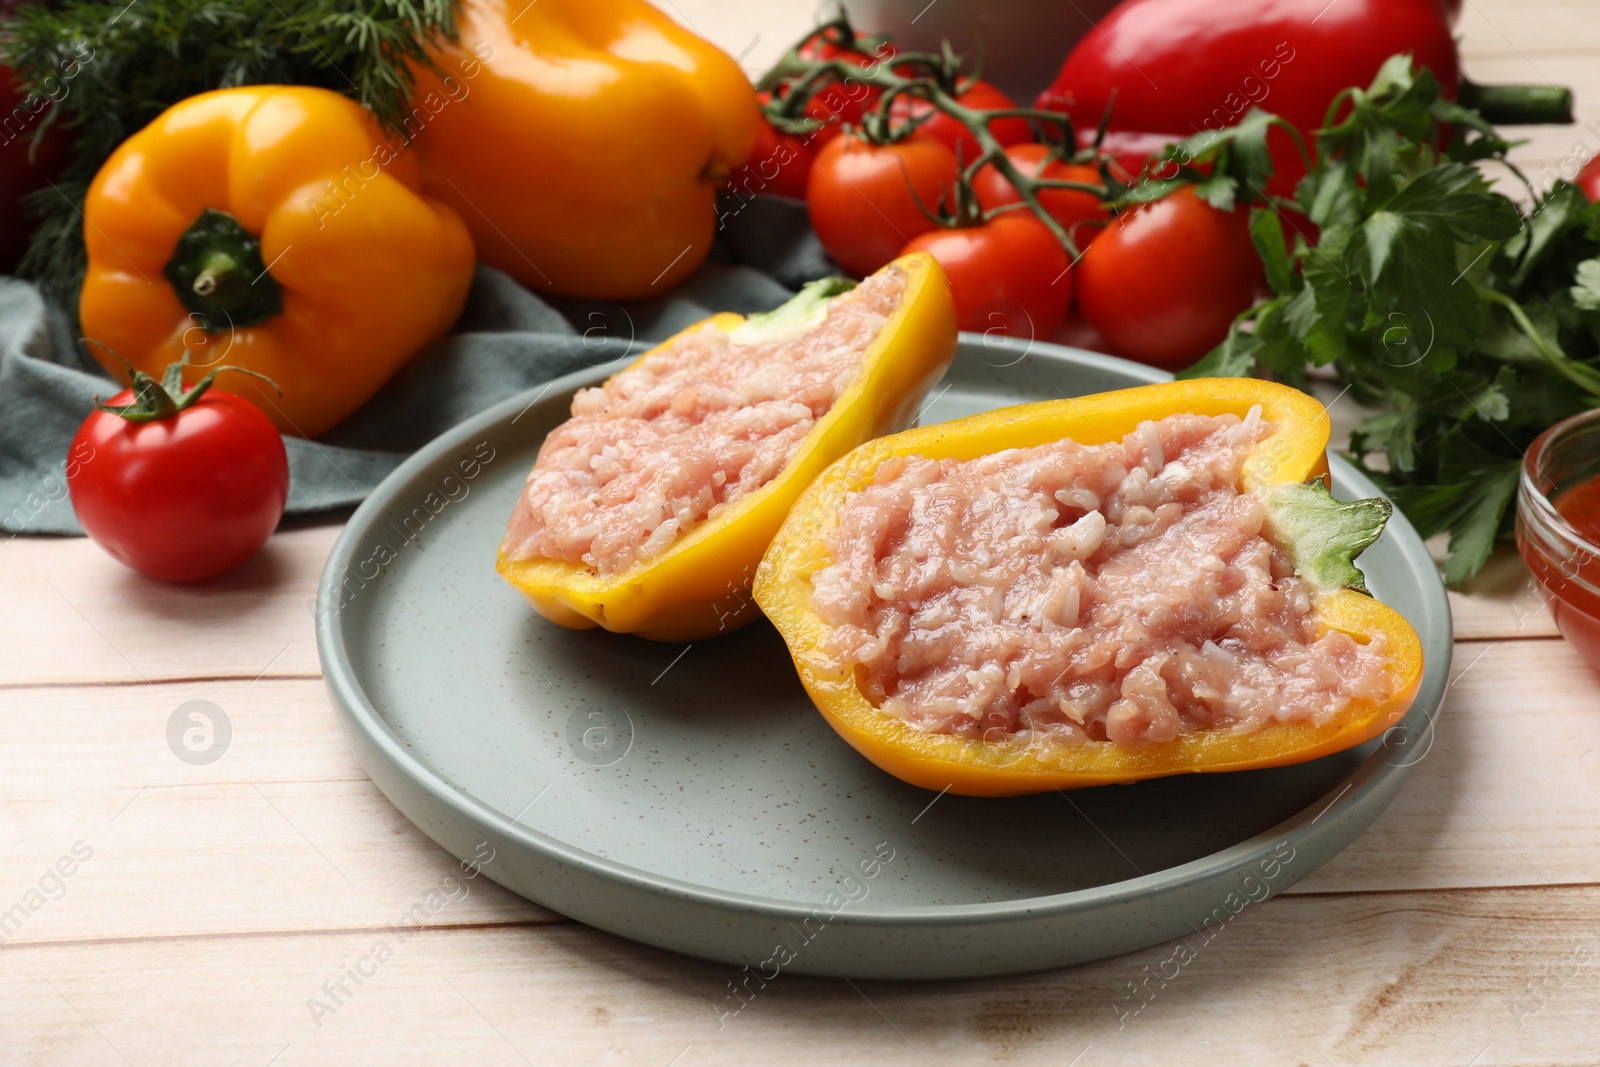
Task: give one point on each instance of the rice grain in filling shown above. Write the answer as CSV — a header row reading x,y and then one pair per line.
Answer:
x,y
1065,593
672,442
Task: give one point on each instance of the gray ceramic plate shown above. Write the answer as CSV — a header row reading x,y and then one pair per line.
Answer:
x,y
691,798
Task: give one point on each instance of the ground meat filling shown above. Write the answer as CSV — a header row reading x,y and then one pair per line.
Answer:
x,y
666,445
1067,593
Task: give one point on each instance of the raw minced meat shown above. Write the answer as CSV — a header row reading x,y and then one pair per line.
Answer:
x,y
668,444
1123,592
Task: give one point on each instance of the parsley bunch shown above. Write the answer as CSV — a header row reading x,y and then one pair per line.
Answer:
x,y
132,61
1469,325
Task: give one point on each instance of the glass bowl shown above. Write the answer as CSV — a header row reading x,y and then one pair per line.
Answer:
x,y
1564,560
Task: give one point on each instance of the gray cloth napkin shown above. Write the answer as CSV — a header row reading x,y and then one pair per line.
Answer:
x,y
507,340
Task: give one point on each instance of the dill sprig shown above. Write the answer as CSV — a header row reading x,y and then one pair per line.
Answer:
x,y
133,61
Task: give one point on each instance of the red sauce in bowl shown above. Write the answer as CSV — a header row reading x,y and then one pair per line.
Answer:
x,y
1558,527
1580,506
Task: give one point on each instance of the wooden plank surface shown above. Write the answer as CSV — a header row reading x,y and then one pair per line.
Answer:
x,y
208,905
90,619
1440,978
288,805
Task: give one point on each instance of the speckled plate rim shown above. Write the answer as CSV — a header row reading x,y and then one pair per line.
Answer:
x,y
1362,796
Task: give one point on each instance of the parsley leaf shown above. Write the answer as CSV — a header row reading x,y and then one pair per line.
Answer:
x,y
1466,325
1586,292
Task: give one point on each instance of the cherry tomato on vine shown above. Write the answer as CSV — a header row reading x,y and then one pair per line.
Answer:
x,y
830,107
1131,152
779,164
838,102
860,196
1164,282
1588,180
179,485
1066,206
979,94
1008,275
822,47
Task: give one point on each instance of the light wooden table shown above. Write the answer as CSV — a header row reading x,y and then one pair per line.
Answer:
x,y
208,904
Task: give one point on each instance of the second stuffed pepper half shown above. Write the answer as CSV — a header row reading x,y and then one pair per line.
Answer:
x,y
1105,589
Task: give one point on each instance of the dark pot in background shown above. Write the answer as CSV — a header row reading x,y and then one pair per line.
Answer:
x,y
1021,42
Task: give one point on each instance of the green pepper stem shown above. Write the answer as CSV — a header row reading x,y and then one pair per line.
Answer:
x,y
218,273
1518,105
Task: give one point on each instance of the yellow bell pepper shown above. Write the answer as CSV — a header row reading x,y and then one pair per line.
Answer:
x,y
1320,536
276,229
583,141
700,586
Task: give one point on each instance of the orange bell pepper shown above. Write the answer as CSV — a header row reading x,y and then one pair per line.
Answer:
x,y
583,141
1320,535
700,586
277,229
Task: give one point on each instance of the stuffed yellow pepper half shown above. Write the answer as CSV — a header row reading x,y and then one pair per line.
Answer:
x,y
649,508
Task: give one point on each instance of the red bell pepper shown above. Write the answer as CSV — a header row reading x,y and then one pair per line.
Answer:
x,y
1178,67
24,167
21,171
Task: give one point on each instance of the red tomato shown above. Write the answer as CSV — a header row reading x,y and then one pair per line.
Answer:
x,y
1009,275
1066,206
821,47
836,103
1132,152
185,497
980,94
1588,180
779,164
1163,283
860,196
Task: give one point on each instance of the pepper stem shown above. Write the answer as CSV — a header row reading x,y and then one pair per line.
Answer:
x,y
217,273
800,313
1518,105
1323,536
